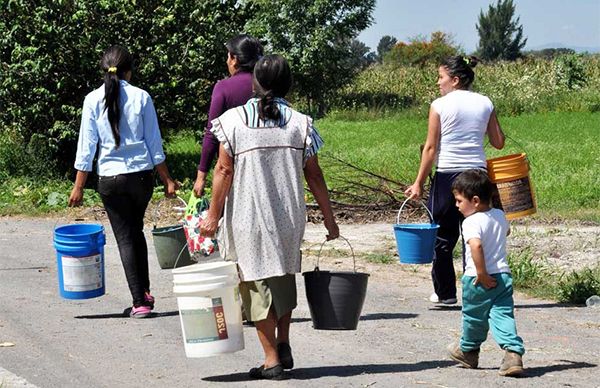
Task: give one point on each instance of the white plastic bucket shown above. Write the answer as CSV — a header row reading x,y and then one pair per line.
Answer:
x,y
209,309
189,280
205,270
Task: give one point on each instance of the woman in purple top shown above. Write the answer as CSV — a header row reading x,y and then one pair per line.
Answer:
x,y
243,52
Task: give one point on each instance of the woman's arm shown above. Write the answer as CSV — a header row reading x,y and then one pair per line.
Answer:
x,y
171,186
316,182
428,155
494,132
76,197
223,176
210,144
86,150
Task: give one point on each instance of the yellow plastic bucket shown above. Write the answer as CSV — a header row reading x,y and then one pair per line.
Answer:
x,y
511,176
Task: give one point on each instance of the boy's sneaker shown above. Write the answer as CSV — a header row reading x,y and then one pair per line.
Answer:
x,y
435,299
466,359
140,312
149,299
512,364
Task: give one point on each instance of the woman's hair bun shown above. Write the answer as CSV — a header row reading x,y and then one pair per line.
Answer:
x,y
471,60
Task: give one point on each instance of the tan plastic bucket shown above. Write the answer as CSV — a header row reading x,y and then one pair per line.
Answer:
x,y
511,176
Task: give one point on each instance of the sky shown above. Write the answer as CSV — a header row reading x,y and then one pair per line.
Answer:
x,y
554,23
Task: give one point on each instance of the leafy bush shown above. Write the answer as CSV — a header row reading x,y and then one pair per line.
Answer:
x,y
419,51
569,71
183,155
526,272
49,55
576,287
317,38
18,158
524,86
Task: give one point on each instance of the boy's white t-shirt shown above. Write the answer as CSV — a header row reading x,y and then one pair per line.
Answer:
x,y
464,117
491,227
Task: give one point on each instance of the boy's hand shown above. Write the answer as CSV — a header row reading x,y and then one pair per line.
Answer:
x,y
485,280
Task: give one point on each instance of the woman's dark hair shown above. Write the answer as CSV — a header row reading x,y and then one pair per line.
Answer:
x,y
474,182
461,67
272,78
115,62
246,49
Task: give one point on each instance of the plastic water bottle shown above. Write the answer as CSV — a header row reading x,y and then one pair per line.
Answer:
x,y
593,301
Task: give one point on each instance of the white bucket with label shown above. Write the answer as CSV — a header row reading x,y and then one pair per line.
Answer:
x,y
204,270
209,309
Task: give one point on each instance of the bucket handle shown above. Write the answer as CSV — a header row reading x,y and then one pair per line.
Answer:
x,y
351,250
404,203
79,217
155,212
179,255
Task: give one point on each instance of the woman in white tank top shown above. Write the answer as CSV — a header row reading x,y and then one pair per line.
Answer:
x,y
458,123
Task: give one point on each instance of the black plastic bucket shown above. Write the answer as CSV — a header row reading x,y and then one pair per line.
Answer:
x,y
171,247
335,298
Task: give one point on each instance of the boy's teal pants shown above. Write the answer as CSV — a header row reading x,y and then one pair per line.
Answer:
x,y
493,307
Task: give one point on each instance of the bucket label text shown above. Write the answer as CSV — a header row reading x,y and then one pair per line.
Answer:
x,y
206,324
516,195
82,273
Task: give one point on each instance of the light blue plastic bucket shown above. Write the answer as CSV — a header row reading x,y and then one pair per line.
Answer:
x,y
80,260
415,242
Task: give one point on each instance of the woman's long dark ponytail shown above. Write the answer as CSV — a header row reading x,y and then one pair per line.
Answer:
x,y
272,78
115,62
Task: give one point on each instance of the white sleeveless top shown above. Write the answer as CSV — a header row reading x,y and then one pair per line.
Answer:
x,y
464,116
265,211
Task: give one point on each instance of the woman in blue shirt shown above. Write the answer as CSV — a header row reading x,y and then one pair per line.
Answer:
x,y
119,121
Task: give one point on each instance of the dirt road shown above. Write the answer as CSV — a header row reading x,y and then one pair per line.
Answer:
x,y
400,340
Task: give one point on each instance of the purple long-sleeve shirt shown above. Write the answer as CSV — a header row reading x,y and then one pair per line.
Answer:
x,y
228,93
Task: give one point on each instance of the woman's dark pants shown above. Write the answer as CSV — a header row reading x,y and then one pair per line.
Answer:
x,y
445,213
125,198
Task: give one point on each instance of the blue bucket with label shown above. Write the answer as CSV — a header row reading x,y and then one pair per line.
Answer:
x,y
80,260
415,242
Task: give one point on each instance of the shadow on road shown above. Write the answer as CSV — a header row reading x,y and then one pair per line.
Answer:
x,y
444,308
369,317
382,316
520,306
544,306
538,371
125,314
342,371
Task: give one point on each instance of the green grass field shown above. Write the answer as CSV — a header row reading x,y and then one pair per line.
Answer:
x,y
562,149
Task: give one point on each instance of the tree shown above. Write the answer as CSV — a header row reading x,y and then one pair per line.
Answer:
x,y
386,43
500,37
418,51
360,56
315,37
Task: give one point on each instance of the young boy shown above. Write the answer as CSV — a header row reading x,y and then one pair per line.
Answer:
x,y
487,283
